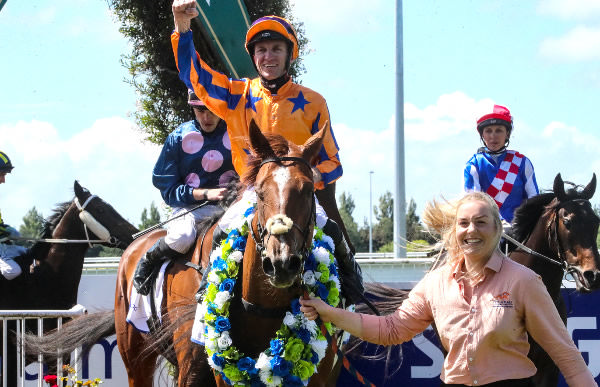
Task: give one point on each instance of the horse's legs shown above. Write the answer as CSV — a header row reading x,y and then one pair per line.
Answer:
x,y
138,364
193,368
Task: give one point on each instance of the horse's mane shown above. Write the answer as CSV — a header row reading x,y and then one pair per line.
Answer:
x,y
528,214
39,249
279,145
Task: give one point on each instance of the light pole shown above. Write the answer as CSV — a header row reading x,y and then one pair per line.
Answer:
x,y
370,214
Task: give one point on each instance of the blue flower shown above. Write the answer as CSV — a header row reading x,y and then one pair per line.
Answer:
x,y
323,244
293,381
249,211
280,366
219,264
233,234
247,364
314,358
295,306
218,360
310,263
212,308
222,324
239,244
227,285
333,270
322,290
304,335
276,347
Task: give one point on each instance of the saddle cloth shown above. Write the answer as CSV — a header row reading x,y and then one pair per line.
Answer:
x,y
140,307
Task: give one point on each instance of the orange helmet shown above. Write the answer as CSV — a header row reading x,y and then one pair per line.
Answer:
x,y
272,28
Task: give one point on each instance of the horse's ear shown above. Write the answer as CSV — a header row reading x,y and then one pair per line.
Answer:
x,y
79,190
559,188
589,189
312,146
258,142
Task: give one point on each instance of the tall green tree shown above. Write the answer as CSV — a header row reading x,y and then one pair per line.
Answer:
x,y
33,224
346,207
149,218
383,231
162,103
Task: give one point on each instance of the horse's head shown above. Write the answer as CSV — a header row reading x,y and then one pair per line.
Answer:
x,y
576,232
101,219
283,226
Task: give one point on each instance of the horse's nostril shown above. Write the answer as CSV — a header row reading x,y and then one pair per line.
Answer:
x,y
294,263
268,267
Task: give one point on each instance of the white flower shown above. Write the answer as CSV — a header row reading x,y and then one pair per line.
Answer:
x,y
211,334
290,320
221,298
216,253
263,362
311,326
336,280
224,341
319,346
318,275
236,256
321,255
211,345
213,364
309,278
214,278
270,380
327,239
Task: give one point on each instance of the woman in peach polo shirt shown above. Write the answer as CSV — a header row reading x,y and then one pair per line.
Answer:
x,y
483,304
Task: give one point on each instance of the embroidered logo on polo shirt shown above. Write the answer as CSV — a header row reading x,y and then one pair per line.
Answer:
x,y
502,300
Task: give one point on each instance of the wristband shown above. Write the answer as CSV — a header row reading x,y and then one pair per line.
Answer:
x,y
205,193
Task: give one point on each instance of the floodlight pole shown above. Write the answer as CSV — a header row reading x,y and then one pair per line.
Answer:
x,y
370,214
400,201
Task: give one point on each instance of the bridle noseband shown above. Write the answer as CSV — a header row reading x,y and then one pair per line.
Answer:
x,y
262,231
96,227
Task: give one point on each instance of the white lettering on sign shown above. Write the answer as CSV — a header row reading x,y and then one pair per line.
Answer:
x,y
433,352
590,346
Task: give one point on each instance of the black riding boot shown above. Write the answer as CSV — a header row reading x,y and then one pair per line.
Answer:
x,y
218,236
350,272
24,261
157,253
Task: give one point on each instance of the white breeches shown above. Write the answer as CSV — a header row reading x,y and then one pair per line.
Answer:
x,y
181,232
8,267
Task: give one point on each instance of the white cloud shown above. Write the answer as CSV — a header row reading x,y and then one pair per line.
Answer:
x,y
580,44
439,139
336,15
571,9
109,159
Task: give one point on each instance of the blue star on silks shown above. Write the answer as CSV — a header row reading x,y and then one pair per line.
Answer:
x,y
299,102
252,100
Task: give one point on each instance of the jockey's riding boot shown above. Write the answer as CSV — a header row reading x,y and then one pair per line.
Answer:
x,y
218,236
157,253
351,280
24,261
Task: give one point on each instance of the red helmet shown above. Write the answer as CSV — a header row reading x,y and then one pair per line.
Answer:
x,y
499,116
272,28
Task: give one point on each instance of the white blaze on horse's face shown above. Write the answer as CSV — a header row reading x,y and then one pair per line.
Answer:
x,y
281,176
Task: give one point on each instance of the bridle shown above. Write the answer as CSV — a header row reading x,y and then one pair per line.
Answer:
x,y
561,262
263,232
88,222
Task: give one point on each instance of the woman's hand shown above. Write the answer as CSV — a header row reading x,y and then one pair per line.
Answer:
x,y
315,307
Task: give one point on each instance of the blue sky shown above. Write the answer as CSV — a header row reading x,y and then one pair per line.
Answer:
x,y
65,109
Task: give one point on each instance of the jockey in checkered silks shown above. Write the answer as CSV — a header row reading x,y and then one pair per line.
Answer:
x,y
506,175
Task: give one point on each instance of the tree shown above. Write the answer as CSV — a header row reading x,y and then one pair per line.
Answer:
x,y
346,207
162,103
383,231
149,221
33,224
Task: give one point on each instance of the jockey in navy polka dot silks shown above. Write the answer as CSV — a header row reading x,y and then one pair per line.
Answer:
x,y
194,166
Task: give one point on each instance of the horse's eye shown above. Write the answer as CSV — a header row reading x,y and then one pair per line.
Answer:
x,y
567,222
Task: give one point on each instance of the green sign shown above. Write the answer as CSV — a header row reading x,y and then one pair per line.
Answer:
x,y
2,2
226,22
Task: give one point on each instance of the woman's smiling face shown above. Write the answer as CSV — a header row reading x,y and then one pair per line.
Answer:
x,y
476,231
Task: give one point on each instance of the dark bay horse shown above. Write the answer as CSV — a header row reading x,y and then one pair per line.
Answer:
x,y
562,226
54,280
268,281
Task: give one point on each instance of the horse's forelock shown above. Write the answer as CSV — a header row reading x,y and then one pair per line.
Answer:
x,y
280,146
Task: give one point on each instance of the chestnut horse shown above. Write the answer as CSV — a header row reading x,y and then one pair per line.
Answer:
x,y
268,280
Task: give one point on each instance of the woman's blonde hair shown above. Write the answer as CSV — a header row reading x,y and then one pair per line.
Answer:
x,y
440,218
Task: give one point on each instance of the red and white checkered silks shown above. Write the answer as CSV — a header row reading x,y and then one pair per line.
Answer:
x,y
505,178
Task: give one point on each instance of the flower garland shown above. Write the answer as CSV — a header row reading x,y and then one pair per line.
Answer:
x,y
298,347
